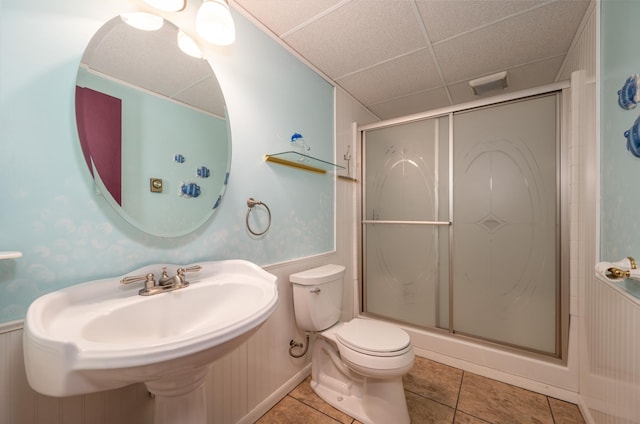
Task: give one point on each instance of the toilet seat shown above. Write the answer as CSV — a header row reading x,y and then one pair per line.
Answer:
x,y
373,338
374,349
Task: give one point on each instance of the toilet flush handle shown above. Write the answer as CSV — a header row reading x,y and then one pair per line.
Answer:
x,y
316,290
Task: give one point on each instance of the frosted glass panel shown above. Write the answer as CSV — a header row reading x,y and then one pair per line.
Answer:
x,y
504,231
407,273
406,180
406,172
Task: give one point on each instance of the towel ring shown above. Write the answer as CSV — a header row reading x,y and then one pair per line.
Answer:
x,y
251,202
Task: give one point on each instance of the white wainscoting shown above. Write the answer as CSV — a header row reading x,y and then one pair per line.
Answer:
x,y
611,366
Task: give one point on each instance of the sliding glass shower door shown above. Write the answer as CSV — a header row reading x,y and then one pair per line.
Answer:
x,y
460,223
406,234
505,196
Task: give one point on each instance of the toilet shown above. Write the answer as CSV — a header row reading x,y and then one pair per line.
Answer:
x,y
356,366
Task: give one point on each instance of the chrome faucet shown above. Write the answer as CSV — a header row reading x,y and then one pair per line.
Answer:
x,y
164,284
177,281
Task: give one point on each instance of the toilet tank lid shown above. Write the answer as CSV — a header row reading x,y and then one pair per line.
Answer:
x,y
320,275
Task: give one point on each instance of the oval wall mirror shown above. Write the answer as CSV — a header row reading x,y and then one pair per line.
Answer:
x,y
153,128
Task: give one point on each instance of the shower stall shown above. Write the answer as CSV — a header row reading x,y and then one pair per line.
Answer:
x,y
463,222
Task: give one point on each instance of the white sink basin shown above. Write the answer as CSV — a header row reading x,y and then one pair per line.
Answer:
x,y
102,335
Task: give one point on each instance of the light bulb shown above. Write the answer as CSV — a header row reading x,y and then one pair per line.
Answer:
x,y
214,22
143,21
167,5
188,46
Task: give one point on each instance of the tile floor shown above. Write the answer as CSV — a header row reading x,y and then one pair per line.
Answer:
x,y
438,393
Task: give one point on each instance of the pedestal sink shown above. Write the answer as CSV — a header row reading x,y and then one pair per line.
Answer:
x,y
102,335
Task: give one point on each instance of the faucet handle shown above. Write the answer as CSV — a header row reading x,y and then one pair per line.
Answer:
x,y
193,268
181,271
149,280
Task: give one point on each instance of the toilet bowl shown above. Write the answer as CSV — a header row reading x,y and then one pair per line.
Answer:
x,y
356,366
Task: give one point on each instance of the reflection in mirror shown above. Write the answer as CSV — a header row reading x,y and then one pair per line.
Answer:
x,y
153,129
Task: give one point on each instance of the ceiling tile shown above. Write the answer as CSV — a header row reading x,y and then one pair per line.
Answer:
x,y
414,103
212,102
446,18
147,59
282,15
541,33
376,49
381,82
359,34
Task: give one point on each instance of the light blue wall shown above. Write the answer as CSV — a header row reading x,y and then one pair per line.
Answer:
x,y
620,171
68,234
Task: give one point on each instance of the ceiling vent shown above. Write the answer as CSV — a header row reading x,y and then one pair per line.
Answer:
x,y
489,83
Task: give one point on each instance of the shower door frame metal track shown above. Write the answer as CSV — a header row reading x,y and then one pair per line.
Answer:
x,y
562,271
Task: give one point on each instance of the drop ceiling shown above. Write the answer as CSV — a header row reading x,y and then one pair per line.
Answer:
x,y
399,57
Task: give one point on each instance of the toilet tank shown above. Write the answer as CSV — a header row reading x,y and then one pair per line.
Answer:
x,y
317,297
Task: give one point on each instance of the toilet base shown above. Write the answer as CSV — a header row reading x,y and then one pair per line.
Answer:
x,y
369,400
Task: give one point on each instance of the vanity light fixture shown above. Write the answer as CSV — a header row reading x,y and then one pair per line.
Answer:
x,y
188,46
214,22
167,5
143,21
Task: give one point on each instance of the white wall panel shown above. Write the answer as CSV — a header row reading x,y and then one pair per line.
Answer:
x,y
611,370
582,53
348,113
609,345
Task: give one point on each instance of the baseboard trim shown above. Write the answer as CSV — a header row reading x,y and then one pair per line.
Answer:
x,y
275,397
584,409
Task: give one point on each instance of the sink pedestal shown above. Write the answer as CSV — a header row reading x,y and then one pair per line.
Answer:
x,y
180,399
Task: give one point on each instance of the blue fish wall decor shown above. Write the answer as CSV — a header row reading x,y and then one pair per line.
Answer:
x,y
189,190
203,172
